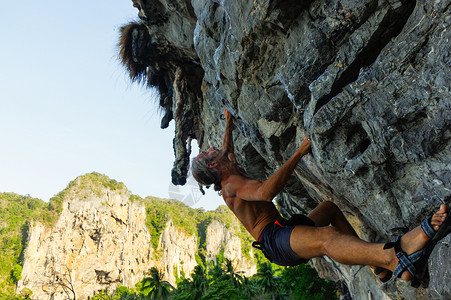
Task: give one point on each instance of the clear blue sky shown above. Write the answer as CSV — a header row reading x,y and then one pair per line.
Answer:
x,y
68,108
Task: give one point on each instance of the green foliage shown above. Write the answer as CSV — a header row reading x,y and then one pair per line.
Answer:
x,y
199,260
83,186
16,273
26,293
191,221
304,282
134,198
222,282
16,213
56,202
123,290
102,295
219,281
220,258
221,290
232,276
159,211
194,288
266,279
95,179
121,293
154,286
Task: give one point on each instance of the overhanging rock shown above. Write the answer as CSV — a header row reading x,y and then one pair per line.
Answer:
x,y
368,82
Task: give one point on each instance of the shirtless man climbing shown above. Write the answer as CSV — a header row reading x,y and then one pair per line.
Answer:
x,y
325,231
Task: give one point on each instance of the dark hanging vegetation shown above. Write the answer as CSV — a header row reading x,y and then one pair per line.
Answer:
x,y
128,50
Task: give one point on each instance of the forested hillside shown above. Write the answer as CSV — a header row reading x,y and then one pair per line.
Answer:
x,y
192,221
101,211
16,212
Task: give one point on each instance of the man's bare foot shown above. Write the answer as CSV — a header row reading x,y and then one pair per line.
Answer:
x,y
383,274
416,239
439,217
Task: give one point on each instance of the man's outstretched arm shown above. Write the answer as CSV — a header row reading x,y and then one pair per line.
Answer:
x,y
227,142
253,190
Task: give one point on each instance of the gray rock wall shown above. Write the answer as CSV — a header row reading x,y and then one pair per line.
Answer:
x,y
367,81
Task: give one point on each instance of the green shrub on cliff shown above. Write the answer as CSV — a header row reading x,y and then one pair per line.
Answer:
x,y
191,221
84,186
16,273
303,282
16,213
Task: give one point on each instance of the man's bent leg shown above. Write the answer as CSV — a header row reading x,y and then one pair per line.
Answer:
x,y
309,242
328,213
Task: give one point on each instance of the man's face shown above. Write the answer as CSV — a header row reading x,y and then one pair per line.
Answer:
x,y
212,153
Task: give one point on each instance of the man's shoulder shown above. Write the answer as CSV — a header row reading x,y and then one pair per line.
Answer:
x,y
231,184
235,184
235,180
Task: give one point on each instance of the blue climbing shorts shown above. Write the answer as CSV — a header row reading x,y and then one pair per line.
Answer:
x,y
275,241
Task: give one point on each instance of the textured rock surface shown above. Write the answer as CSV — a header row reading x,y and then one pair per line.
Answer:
x,y
368,81
101,241
179,252
440,270
220,238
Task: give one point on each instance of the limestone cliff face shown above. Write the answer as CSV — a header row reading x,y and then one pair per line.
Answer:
x,y
101,240
178,252
367,81
219,238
